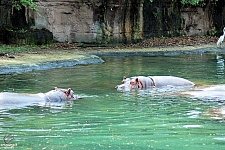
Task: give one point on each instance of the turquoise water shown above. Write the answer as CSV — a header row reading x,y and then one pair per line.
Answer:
x,y
108,119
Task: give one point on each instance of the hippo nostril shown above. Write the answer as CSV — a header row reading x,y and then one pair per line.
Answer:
x,y
116,87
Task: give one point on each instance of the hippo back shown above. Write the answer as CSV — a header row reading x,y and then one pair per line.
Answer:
x,y
153,81
171,80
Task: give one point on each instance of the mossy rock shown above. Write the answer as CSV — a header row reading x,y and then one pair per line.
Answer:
x,y
29,37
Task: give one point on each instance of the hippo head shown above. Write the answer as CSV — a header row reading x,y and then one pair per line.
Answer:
x,y
59,94
134,83
127,84
69,94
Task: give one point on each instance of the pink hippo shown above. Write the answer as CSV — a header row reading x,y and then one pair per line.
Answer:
x,y
210,93
14,100
144,82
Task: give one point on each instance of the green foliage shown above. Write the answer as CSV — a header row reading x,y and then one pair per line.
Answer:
x,y
191,2
80,44
212,32
14,48
10,30
22,30
18,4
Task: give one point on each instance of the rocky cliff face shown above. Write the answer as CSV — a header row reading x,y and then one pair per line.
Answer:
x,y
163,18
97,21
117,21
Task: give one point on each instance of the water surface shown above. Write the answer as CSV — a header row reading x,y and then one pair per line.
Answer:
x,y
108,119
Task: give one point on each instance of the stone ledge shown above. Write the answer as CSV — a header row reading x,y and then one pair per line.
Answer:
x,y
27,66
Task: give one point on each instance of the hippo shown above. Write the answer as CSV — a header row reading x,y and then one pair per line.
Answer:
x,y
15,100
215,113
212,92
209,93
144,82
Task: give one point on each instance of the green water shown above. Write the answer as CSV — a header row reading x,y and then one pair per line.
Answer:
x,y
108,119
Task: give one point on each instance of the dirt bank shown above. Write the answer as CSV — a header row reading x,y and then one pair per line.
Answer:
x,y
65,51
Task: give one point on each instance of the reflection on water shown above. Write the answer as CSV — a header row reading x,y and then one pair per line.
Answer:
x,y
220,66
107,119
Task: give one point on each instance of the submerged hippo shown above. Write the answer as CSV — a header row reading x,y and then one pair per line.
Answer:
x,y
210,93
215,113
213,92
143,82
14,100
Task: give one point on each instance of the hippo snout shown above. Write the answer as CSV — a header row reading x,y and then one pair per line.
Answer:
x,y
120,87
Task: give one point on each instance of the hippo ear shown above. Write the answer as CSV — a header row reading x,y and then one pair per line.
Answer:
x,y
68,92
136,79
124,78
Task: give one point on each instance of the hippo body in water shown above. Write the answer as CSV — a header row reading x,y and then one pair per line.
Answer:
x,y
213,92
10,100
210,93
143,82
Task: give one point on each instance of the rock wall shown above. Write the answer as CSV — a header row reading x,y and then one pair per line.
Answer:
x,y
165,18
218,16
92,21
115,21
162,18
5,14
197,20
206,20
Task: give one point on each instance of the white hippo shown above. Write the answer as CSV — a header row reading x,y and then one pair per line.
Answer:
x,y
10,100
210,93
143,82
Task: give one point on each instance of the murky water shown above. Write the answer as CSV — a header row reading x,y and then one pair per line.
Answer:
x,y
107,119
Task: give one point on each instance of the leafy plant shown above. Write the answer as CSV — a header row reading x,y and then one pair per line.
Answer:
x,y
189,2
8,29
22,30
212,32
192,2
80,44
18,4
